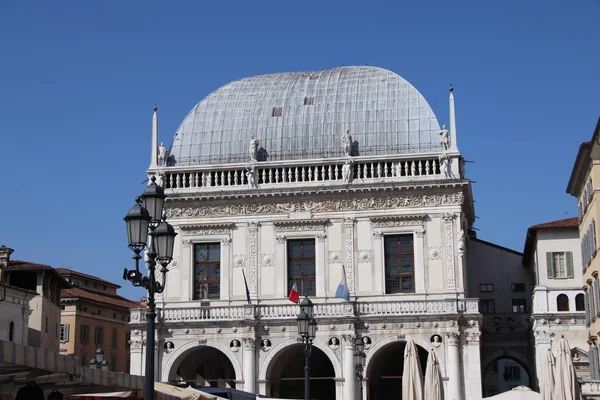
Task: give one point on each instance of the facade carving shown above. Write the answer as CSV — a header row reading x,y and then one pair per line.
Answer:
x,y
267,259
349,248
253,256
365,256
206,230
392,222
295,226
176,210
335,257
453,338
449,249
434,253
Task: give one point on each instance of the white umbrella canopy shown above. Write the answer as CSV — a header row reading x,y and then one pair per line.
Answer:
x,y
548,385
565,380
412,378
434,389
518,393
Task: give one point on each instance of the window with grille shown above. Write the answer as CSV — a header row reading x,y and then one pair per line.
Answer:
x,y
487,306
64,332
301,266
99,336
519,306
399,264
559,265
84,334
579,302
562,302
486,287
207,271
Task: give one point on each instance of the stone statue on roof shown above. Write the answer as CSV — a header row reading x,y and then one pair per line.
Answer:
x,y
347,143
253,148
445,138
162,155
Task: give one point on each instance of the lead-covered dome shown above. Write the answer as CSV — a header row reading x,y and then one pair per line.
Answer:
x,y
299,115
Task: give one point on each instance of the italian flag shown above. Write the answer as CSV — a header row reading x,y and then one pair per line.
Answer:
x,y
294,297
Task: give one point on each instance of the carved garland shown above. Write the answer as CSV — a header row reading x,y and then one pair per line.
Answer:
x,y
449,235
295,226
203,230
355,204
392,222
253,258
349,244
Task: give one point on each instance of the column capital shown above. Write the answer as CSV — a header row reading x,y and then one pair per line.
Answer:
x,y
453,338
249,343
349,339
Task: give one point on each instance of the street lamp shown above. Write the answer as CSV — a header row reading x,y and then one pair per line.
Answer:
x,y
98,361
307,330
145,220
359,362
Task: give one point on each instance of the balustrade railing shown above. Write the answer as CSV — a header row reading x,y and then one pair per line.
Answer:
x,y
590,388
202,177
361,309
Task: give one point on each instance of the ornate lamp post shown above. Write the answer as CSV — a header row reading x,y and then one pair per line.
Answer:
x,y
145,219
98,362
359,362
307,330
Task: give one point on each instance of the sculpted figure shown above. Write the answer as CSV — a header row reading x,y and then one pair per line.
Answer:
x,y
445,165
445,137
347,143
253,148
162,155
347,174
266,344
462,244
334,343
251,175
235,345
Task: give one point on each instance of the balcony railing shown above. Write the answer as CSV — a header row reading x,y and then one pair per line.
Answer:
x,y
360,309
279,174
590,389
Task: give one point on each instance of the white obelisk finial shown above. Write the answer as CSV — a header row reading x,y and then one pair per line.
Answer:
x,y
154,157
453,144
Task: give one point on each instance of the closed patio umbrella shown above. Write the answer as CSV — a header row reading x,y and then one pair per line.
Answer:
x,y
565,380
547,385
434,389
412,378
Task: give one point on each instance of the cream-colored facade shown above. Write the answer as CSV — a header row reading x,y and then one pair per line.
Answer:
x,y
583,184
95,316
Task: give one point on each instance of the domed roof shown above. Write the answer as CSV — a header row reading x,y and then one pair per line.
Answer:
x,y
299,115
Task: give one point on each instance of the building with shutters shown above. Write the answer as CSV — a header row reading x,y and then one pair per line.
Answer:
x,y
584,179
552,257
94,316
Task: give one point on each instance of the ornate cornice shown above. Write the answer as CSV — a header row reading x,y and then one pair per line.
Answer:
x,y
301,225
179,209
208,229
404,220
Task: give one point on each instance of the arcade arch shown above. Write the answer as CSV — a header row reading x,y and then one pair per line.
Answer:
x,y
504,373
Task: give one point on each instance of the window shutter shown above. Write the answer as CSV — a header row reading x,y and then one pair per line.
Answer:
x,y
569,257
66,339
550,265
595,246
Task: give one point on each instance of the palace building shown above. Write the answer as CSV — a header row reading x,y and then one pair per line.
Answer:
x,y
304,178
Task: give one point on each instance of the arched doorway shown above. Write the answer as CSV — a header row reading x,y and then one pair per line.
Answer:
x,y
384,374
285,375
204,366
503,374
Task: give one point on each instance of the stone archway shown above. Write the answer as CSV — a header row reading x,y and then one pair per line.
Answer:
x,y
210,364
384,370
285,374
503,373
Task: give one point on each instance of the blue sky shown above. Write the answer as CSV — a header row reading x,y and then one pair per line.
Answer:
x,y
78,80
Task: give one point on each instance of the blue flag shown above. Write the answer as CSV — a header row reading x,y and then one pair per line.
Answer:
x,y
342,291
247,290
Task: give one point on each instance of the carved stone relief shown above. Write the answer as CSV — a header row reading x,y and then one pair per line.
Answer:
x,y
203,230
349,249
180,210
253,256
365,256
239,260
267,259
186,242
392,222
335,257
434,253
449,250
295,226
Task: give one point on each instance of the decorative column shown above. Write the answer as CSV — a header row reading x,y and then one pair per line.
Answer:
x,y
320,263
542,334
419,255
349,250
253,259
379,260
226,279
453,365
249,364
348,367
472,363
449,252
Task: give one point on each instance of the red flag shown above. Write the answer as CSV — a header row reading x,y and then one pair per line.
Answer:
x,y
294,296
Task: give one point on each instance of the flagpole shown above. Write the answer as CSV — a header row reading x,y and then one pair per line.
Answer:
x,y
247,290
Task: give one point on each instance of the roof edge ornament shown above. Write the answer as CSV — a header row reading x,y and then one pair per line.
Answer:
x,y
154,150
453,144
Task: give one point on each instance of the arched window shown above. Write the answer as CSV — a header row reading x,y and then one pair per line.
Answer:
x,y
11,331
579,302
562,302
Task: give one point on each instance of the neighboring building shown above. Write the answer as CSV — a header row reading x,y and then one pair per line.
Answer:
x,y
14,305
44,321
552,256
497,277
94,316
583,184
301,178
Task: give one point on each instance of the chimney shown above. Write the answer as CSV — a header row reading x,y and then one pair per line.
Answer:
x,y
5,253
